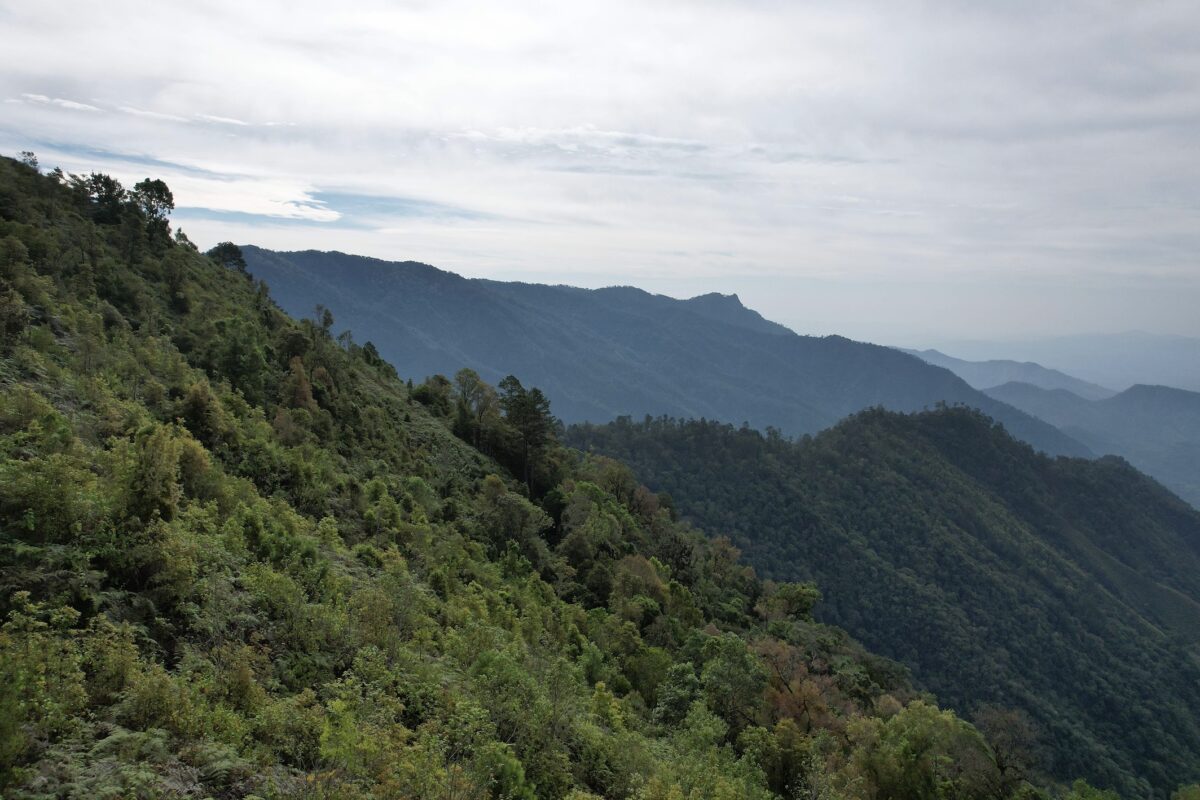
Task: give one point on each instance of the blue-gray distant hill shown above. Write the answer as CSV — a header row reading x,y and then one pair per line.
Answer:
x,y
1157,428
603,353
994,372
1117,360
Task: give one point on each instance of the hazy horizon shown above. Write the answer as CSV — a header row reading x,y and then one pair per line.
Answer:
x,y
902,175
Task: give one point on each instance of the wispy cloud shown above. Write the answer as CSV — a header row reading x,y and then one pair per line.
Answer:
x,y
869,168
73,105
158,115
221,120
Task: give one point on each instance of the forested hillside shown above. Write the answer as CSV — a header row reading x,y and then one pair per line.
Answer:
x,y
1156,427
240,557
610,352
1068,588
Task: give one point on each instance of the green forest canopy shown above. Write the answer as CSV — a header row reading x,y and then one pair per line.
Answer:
x,y
1067,588
241,557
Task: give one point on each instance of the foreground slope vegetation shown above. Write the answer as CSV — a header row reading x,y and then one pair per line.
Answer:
x,y
240,557
1065,587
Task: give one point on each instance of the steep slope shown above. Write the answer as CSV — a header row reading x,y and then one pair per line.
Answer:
x,y
1156,427
240,558
1069,588
604,353
986,374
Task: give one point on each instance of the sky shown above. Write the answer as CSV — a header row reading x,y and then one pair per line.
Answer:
x,y
901,172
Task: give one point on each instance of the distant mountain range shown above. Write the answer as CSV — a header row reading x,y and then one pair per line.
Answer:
x,y
1156,427
1065,587
986,374
599,354
1116,360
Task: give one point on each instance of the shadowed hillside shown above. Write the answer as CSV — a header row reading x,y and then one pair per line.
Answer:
x,y
600,354
1156,427
1068,587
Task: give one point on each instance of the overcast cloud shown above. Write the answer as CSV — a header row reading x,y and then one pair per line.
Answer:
x,y
900,172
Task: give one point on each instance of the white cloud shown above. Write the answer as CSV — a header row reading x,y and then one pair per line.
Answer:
x,y
220,120
58,101
141,112
976,151
280,198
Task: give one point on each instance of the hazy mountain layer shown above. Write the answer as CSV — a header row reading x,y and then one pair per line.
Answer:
x,y
1116,360
599,354
986,374
1156,427
1067,587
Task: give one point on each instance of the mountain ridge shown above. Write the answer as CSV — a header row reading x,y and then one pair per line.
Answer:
x,y
599,354
1156,427
984,375
1114,360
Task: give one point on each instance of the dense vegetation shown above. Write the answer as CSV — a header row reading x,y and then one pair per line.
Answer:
x,y
1156,427
240,557
1066,588
599,354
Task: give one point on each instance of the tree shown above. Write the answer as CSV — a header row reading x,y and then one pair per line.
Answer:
x,y
789,601
154,485
477,403
678,690
506,517
1013,739
228,255
105,196
182,239
528,412
324,318
175,272
14,316
733,680
153,199
921,753
434,393
297,389
241,360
